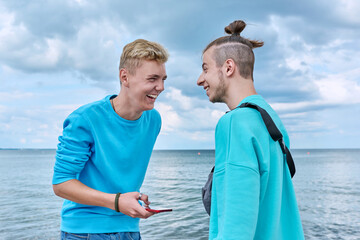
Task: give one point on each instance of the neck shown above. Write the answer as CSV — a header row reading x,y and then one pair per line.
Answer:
x,y
123,107
238,90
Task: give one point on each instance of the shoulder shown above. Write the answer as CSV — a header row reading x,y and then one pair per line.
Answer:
x,y
152,115
155,113
242,118
83,113
92,107
243,126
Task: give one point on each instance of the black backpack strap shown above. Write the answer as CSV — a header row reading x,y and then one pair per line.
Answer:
x,y
275,134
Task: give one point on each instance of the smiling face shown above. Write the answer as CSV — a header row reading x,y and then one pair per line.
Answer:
x,y
145,85
212,78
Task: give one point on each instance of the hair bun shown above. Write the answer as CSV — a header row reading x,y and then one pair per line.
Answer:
x,y
236,27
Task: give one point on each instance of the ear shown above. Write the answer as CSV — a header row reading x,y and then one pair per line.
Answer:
x,y
123,75
229,67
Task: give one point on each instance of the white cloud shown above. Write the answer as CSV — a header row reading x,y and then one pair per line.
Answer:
x,y
338,89
334,90
189,118
93,50
170,119
175,95
80,2
348,10
15,96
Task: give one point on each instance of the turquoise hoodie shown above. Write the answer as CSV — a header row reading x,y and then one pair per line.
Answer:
x,y
252,193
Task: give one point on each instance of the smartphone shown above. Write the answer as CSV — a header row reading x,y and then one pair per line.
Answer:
x,y
158,210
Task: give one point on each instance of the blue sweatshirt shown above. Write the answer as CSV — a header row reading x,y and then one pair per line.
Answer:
x,y
106,153
252,192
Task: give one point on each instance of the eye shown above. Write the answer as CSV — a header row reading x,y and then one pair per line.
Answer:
x,y
204,67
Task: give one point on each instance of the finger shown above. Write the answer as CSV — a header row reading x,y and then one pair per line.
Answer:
x,y
142,213
145,199
148,214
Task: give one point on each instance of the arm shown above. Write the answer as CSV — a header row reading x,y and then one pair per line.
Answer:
x,y
241,202
241,184
76,191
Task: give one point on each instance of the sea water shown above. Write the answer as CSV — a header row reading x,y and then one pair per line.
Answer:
x,y
327,185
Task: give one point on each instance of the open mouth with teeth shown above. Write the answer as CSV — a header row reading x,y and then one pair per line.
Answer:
x,y
206,90
152,96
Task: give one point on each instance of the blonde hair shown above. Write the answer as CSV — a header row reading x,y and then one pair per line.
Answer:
x,y
237,48
140,49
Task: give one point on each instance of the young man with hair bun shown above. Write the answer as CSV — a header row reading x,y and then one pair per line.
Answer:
x,y
252,192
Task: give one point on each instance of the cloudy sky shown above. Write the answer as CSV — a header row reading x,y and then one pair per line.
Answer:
x,y
58,55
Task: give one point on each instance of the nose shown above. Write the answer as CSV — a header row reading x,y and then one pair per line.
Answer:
x,y
200,80
160,86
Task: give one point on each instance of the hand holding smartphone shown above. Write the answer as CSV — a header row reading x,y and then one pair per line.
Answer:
x,y
158,210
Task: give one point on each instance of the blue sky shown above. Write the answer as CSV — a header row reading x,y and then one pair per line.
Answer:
x,y
58,55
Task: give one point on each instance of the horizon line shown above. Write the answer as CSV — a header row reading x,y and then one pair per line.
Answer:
x,y
193,149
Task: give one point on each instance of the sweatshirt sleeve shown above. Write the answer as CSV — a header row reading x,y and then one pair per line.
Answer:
x,y
242,184
73,150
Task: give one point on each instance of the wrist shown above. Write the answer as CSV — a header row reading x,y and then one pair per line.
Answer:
x,y
109,201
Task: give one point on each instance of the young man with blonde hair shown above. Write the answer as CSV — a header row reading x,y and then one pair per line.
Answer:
x,y
105,149
252,192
